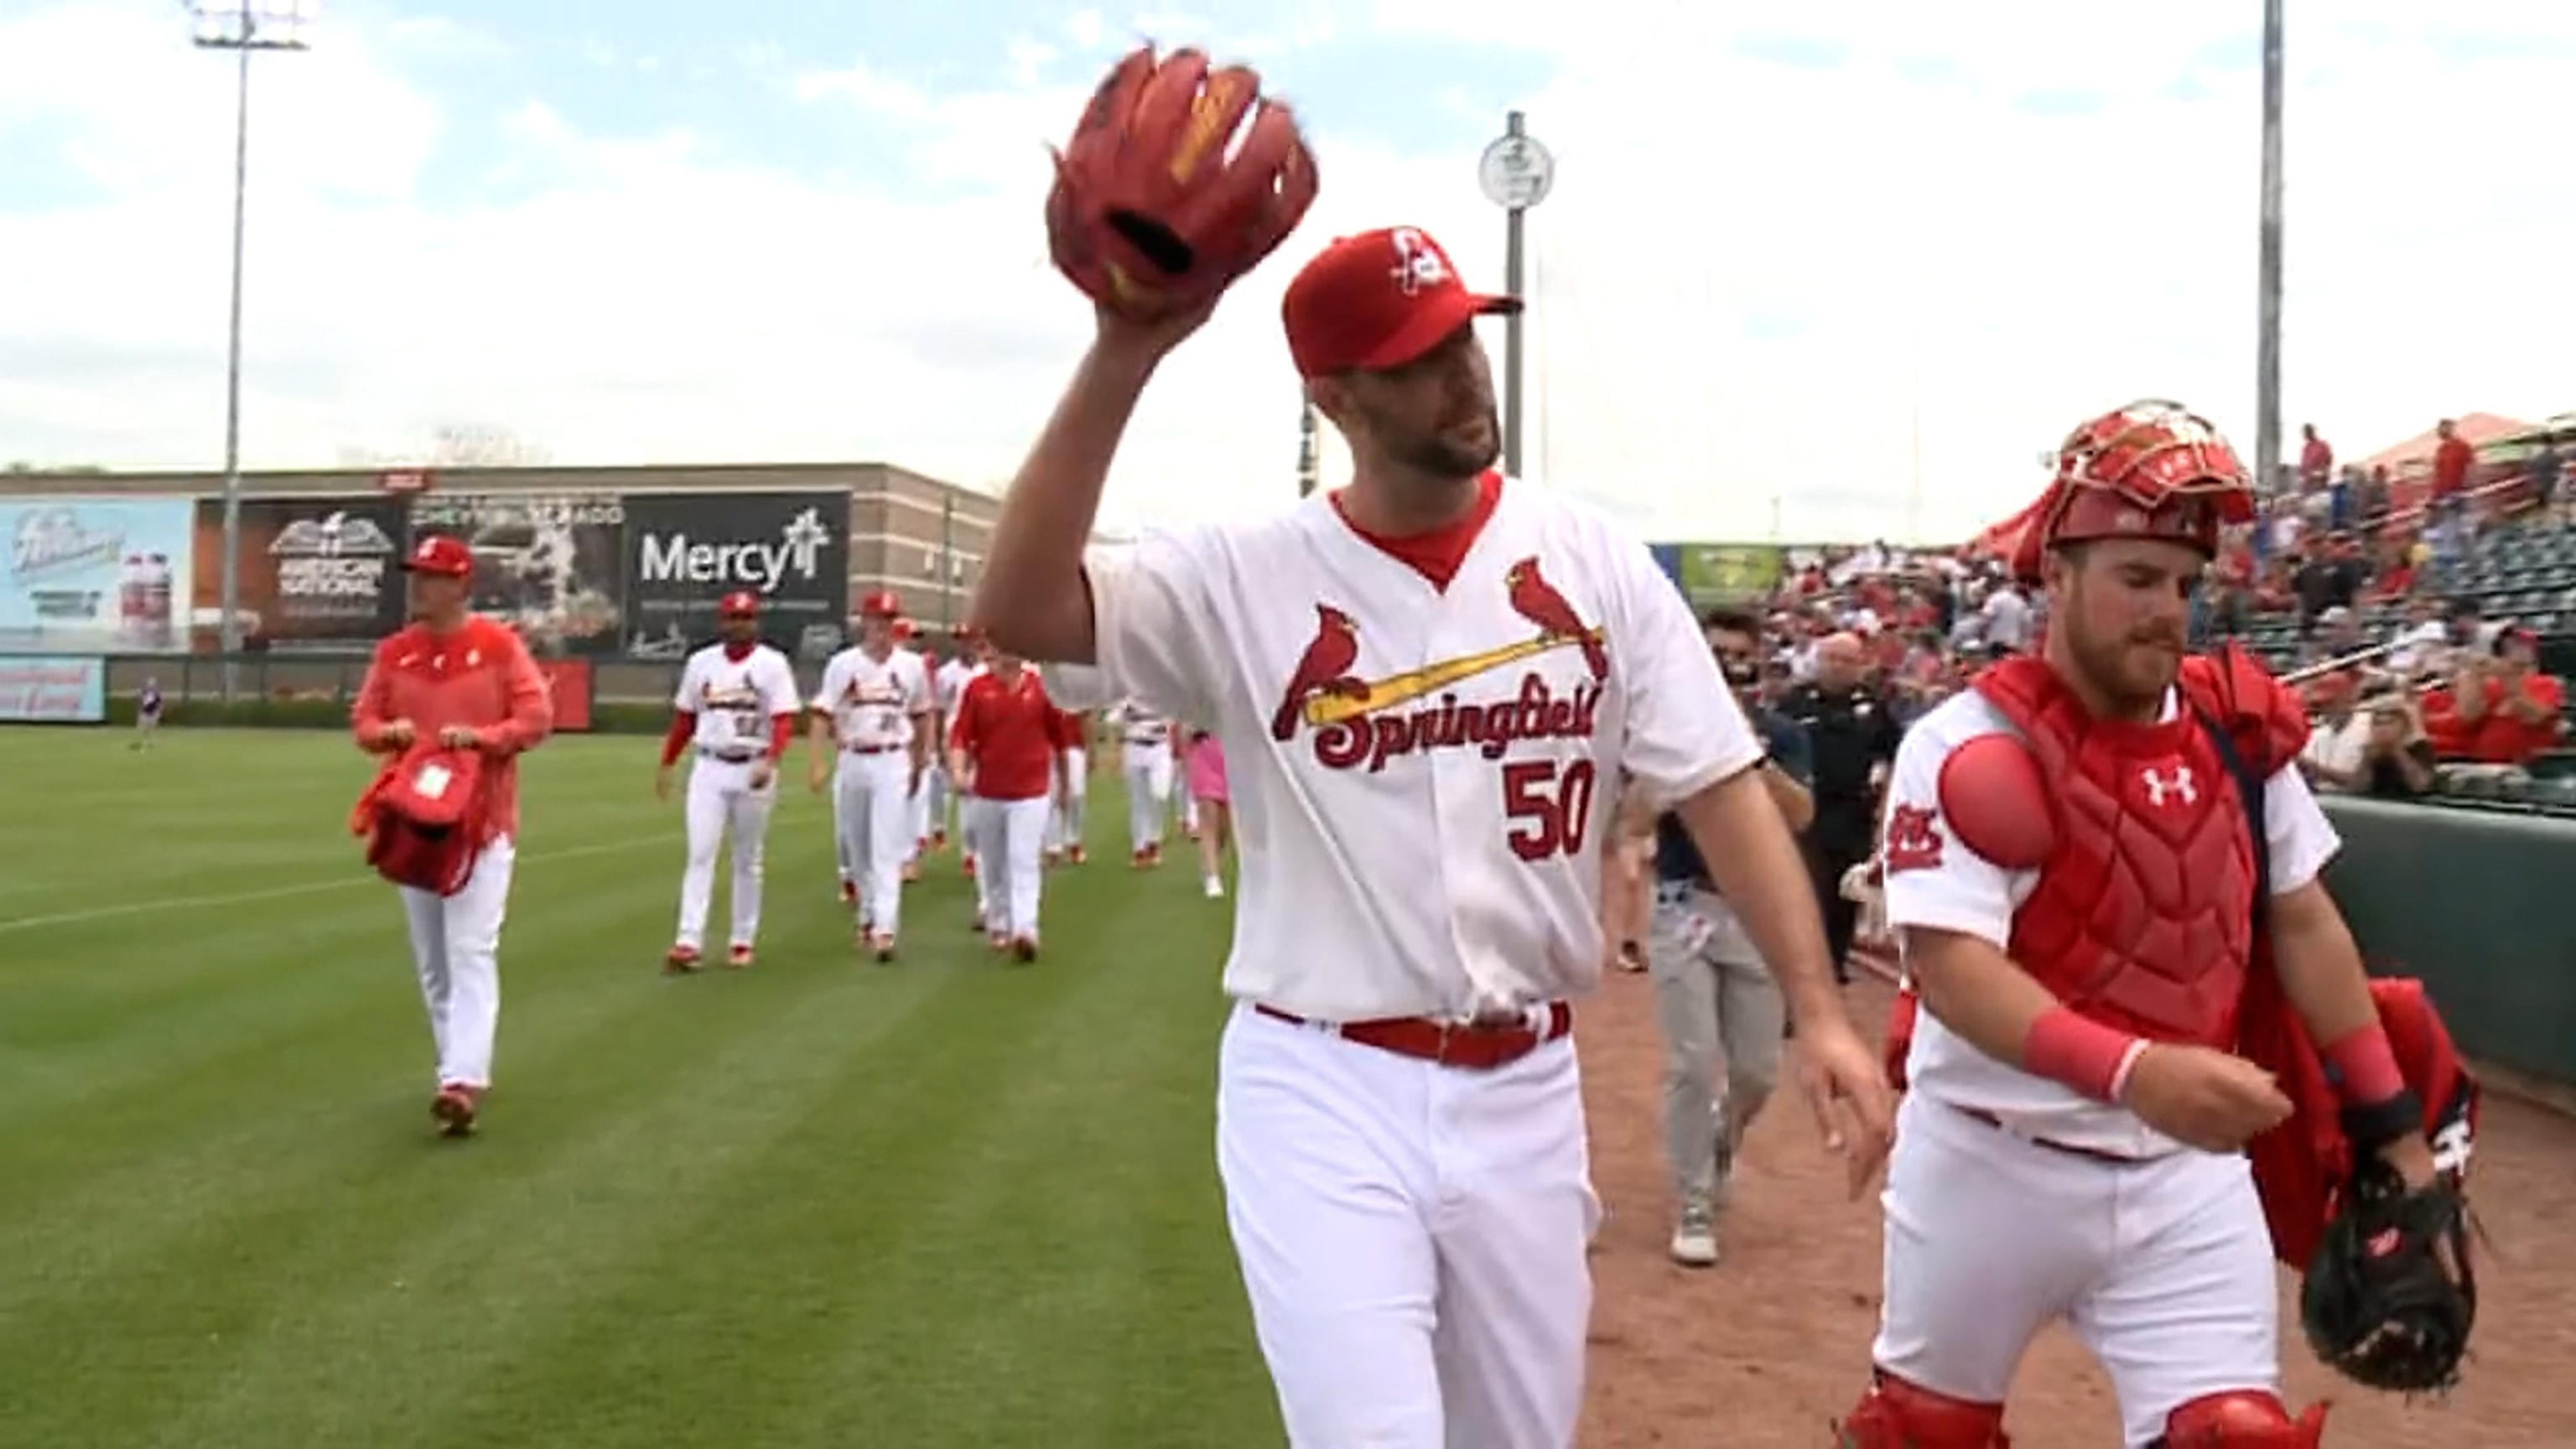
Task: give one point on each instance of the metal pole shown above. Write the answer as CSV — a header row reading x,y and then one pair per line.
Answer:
x,y
1515,263
2267,343
947,561
240,26
231,596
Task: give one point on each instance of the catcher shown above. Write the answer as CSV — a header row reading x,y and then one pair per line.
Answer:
x,y
2104,869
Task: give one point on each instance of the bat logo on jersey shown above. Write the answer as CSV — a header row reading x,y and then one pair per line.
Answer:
x,y
1364,721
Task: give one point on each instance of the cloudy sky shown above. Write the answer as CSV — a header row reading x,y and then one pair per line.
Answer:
x,y
1841,270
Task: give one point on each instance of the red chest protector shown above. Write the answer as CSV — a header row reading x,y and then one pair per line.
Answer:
x,y
2142,917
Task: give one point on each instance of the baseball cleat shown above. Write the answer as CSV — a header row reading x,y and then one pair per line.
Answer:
x,y
966,866
454,1110
849,893
1024,949
939,840
1074,854
738,957
881,945
1001,941
680,960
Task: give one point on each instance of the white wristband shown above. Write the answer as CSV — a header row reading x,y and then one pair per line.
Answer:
x,y
2128,1064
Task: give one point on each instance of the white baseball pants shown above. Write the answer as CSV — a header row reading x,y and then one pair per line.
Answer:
x,y
1008,882
927,808
874,792
1065,819
456,949
722,806
1148,771
1411,1237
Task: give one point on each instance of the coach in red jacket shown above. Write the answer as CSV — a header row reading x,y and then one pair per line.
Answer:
x,y
1007,748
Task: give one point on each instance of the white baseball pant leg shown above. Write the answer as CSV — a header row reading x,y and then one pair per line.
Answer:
x,y
876,799
975,820
706,811
747,813
1149,786
456,949
1411,1237
916,809
848,863
1068,815
1019,835
934,803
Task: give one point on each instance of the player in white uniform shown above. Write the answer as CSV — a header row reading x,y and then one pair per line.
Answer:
x,y
736,710
872,738
1423,683
930,796
1145,762
949,684
2072,865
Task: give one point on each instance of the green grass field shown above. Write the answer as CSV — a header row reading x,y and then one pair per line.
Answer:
x,y
944,1202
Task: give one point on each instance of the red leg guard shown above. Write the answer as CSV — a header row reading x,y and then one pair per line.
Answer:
x,y
2244,1419
1897,1415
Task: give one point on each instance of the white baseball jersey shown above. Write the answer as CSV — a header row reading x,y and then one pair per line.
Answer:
x,y
872,701
950,684
734,700
1139,726
1963,891
1424,774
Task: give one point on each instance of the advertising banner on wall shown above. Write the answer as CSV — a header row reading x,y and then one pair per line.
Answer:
x,y
688,550
96,575
548,564
1709,571
317,575
568,681
52,689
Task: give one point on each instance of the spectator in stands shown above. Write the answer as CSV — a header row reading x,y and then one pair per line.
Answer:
x,y
2540,472
2370,499
2396,759
2338,738
2422,645
2331,577
2316,466
2509,710
2446,505
2007,617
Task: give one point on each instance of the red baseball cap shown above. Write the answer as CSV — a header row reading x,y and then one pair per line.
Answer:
x,y
881,604
1378,300
740,604
438,554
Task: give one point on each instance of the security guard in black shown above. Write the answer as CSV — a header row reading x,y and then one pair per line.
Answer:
x,y
1851,733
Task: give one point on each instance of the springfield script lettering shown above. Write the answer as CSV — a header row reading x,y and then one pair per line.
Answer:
x,y
1536,713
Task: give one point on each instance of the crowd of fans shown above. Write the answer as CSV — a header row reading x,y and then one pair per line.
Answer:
x,y
2409,687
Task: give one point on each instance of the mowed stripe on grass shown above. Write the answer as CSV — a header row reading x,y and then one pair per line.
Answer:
x,y
945,1202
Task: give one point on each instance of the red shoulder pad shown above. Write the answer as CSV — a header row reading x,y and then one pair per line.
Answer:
x,y
2264,718
1996,803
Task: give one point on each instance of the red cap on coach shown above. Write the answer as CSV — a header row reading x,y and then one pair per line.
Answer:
x,y
1378,300
740,604
438,554
880,605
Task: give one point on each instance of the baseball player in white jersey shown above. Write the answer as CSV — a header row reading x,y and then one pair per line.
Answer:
x,y
930,796
1145,762
948,684
872,738
1432,653
1065,821
736,711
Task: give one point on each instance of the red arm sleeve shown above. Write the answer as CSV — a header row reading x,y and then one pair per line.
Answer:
x,y
684,723
531,704
782,732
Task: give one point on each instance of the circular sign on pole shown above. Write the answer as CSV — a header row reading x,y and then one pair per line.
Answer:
x,y
1516,172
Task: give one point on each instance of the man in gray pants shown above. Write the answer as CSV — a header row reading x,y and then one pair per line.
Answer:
x,y
1719,1007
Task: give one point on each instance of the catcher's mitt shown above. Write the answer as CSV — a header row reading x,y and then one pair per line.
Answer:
x,y
1179,179
2390,1296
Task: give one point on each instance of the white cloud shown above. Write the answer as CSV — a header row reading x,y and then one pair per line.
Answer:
x,y
1753,281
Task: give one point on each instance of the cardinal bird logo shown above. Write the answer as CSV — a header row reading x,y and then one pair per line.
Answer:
x,y
1535,599
1324,669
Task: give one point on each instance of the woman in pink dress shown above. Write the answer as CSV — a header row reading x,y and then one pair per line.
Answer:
x,y
1204,770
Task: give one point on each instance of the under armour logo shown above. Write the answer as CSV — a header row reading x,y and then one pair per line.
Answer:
x,y
2161,789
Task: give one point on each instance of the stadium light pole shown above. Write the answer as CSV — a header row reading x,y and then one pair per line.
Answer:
x,y
1515,173
244,27
2267,324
